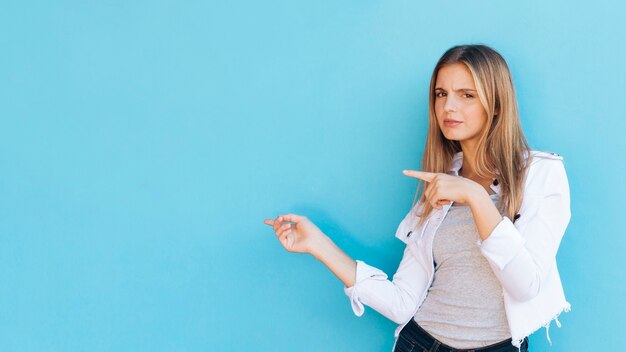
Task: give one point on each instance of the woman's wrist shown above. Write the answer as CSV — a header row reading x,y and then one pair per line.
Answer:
x,y
320,245
476,194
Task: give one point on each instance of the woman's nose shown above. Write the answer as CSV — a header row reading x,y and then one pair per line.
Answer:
x,y
450,105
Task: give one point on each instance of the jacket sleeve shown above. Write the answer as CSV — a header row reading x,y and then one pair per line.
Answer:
x,y
395,299
521,258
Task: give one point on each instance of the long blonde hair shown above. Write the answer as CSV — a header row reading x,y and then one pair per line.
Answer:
x,y
501,146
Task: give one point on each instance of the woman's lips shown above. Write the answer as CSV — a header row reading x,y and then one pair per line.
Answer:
x,y
452,123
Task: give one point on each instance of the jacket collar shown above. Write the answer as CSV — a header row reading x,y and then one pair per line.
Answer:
x,y
457,162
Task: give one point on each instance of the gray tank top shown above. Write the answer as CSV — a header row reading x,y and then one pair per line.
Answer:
x,y
464,307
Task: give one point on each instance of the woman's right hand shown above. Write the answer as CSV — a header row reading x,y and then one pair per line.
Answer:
x,y
296,233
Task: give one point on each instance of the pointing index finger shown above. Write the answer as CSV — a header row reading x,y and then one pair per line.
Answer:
x,y
422,175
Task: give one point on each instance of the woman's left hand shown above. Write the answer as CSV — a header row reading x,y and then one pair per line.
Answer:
x,y
442,188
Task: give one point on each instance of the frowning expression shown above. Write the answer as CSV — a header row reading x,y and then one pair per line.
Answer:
x,y
460,114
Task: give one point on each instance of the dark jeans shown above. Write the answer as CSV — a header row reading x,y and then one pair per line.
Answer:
x,y
415,339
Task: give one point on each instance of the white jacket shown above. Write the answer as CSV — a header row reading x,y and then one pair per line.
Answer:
x,y
522,256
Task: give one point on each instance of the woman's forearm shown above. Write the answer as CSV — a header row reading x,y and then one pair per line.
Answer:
x,y
344,267
485,213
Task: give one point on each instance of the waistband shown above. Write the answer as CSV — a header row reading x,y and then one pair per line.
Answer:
x,y
414,331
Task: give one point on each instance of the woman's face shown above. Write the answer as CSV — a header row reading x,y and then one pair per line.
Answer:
x,y
456,99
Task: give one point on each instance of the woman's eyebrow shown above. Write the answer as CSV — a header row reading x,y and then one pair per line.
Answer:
x,y
458,90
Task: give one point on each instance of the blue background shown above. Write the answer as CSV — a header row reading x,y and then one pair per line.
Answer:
x,y
143,143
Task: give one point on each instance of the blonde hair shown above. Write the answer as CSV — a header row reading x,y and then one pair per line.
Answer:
x,y
501,146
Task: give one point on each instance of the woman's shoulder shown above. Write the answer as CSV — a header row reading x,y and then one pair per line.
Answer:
x,y
545,155
546,170
544,160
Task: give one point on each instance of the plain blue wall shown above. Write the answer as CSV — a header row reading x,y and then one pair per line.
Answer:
x,y
143,143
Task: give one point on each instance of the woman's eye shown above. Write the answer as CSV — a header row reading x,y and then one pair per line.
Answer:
x,y
443,94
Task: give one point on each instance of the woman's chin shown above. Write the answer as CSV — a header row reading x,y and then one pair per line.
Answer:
x,y
453,137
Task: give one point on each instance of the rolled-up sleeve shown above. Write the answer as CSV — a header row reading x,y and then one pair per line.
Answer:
x,y
522,257
395,299
504,243
363,272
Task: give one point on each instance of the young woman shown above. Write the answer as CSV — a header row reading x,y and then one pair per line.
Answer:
x,y
479,269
